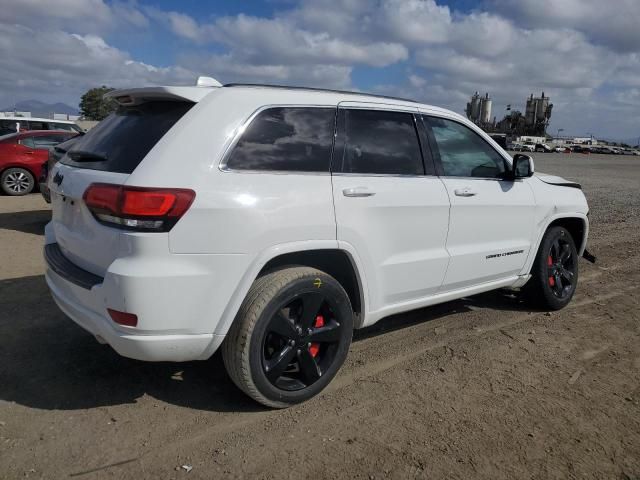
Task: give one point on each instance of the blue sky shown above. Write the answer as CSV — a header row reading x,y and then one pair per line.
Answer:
x,y
583,53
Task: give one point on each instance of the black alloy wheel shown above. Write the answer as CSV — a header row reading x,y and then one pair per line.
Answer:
x,y
290,336
301,342
561,268
554,274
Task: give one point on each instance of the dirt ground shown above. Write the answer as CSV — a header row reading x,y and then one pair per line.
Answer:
x,y
478,388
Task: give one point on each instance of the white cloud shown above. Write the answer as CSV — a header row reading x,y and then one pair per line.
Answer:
x,y
226,68
414,21
82,16
62,66
584,53
610,23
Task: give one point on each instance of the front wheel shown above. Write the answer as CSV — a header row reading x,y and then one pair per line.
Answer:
x,y
554,275
290,337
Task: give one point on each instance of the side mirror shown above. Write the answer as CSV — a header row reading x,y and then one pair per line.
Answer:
x,y
522,166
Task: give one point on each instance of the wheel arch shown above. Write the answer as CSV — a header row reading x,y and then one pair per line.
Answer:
x,y
576,226
28,168
323,255
335,262
576,223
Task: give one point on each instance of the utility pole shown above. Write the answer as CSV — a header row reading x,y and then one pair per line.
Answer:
x,y
558,135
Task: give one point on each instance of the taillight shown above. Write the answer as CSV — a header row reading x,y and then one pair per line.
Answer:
x,y
138,208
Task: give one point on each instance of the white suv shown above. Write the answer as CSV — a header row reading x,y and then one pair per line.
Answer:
x,y
270,222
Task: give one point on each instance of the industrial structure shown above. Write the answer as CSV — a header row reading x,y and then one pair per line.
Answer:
x,y
534,122
479,109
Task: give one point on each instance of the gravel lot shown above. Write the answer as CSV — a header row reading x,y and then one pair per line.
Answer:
x,y
478,388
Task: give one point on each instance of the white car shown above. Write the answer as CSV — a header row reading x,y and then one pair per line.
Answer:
x,y
10,125
270,222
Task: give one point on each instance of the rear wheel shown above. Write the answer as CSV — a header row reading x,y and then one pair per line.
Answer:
x,y
290,337
555,271
17,181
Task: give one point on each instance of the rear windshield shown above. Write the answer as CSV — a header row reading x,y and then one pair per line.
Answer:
x,y
123,139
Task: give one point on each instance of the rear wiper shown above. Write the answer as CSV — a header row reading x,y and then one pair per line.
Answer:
x,y
84,156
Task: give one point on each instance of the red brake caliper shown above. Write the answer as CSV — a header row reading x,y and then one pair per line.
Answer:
x,y
552,281
315,347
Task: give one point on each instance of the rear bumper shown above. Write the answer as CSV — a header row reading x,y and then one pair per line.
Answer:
x,y
84,297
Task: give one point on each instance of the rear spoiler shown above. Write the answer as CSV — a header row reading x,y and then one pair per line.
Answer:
x,y
136,96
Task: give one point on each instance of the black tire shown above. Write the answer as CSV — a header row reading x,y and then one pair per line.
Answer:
x,y
17,181
554,275
268,353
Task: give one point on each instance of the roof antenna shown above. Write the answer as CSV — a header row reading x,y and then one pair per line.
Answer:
x,y
207,82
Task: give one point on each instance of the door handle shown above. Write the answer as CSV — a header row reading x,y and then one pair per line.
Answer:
x,y
357,192
464,192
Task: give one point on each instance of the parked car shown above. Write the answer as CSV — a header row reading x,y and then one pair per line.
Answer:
x,y
527,147
543,147
562,150
54,156
10,125
580,149
177,231
22,156
514,146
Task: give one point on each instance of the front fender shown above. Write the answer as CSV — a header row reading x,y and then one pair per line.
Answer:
x,y
544,225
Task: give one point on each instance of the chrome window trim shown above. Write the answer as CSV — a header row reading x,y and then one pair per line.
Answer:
x,y
383,175
495,179
240,129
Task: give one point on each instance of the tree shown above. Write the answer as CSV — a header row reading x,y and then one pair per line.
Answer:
x,y
93,106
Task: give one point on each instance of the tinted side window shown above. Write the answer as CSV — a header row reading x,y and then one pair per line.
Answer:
x,y
46,141
379,142
36,125
463,153
62,126
27,142
286,138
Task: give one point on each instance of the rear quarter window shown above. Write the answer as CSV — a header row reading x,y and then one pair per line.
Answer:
x,y
121,141
295,139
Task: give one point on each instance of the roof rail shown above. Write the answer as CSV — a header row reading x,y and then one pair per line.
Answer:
x,y
313,89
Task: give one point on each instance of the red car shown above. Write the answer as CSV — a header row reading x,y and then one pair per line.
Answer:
x,y
22,156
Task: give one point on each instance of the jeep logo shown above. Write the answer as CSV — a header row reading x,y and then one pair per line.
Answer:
x,y
57,179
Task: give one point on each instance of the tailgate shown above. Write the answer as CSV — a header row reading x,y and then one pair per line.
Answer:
x,y
82,239
108,153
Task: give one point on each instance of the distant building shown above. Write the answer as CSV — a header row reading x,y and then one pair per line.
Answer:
x,y
531,139
13,113
533,122
65,116
52,116
538,114
479,109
